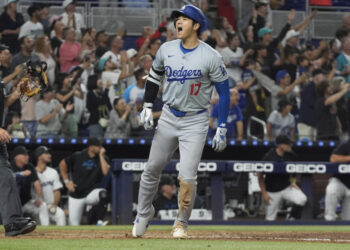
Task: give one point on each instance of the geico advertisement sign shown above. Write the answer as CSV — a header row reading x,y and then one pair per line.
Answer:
x,y
140,166
306,168
344,168
203,166
252,167
133,166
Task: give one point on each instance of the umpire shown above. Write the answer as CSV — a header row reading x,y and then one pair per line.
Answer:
x,y
10,203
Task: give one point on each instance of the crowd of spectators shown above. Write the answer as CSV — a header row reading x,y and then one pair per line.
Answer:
x,y
96,87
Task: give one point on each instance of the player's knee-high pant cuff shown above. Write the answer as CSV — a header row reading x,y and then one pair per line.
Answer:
x,y
186,198
148,189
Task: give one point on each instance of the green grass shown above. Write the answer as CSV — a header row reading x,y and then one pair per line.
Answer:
x,y
169,244
24,244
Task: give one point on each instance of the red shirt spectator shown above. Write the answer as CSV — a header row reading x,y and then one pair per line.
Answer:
x,y
69,51
225,9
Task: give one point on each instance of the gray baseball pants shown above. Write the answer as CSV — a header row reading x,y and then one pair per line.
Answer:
x,y
10,203
187,133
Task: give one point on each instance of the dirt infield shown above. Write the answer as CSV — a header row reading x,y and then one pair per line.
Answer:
x,y
330,237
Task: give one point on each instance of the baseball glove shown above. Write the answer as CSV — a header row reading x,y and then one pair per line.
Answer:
x,y
33,80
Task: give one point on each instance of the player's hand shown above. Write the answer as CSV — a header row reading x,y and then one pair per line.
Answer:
x,y
102,151
26,172
38,202
4,136
71,186
146,117
219,140
266,198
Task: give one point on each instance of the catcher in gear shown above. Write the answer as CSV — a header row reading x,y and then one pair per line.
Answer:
x,y
33,80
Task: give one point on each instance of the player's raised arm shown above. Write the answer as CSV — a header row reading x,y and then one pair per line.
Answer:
x,y
152,86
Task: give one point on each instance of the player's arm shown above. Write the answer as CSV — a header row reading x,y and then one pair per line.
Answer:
x,y
151,91
219,140
39,192
64,174
335,158
104,164
57,197
262,186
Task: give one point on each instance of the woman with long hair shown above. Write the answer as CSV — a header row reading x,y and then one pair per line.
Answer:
x,y
42,47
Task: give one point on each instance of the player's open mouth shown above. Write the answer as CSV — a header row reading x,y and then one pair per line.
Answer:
x,y
179,29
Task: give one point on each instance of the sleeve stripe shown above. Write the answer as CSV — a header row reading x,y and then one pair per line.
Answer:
x,y
158,72
155,74
151,79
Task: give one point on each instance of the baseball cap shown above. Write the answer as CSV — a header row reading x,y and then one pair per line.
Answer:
x,y
194,13
280,74
7,2
39,151
283,139
289,35
67,2
19,150
93,141
102,62
131,53
264,31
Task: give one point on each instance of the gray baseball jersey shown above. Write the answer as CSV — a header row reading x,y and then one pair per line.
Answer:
x,y
189,78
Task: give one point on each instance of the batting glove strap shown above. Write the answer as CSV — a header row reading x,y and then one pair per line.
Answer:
x,y
219,140
146,118
148,105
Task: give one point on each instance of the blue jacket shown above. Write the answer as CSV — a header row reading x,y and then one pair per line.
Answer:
x,y
307,107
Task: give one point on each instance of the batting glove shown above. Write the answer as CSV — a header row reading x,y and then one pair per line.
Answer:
x,y
146,117
219,140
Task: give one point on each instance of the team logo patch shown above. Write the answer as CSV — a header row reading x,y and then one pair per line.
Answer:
x,y
182,74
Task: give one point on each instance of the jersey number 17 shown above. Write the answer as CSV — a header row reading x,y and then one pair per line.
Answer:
x,y
195,87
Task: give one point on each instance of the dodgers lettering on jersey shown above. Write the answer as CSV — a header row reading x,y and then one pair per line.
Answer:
x,y
189,78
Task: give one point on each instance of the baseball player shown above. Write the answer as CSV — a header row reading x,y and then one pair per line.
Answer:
x,y
277,187
338,187
190,69
29,186
50,185
82,173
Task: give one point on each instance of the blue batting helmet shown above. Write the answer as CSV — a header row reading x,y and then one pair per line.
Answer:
x,y
194,13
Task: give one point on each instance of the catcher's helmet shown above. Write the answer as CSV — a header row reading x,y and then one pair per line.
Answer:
x,y
194,13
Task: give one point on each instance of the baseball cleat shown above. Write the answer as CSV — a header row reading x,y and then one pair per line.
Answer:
x,y
20,226
179,231
141,224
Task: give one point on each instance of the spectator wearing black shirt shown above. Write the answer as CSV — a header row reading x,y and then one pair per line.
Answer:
x,y
57,40
258,19
101,43
31,205
98,104
338,187
10,23
82,173
307,115
276,188
328,126
265,36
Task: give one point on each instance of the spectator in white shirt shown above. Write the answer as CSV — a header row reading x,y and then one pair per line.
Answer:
x,y
70,18
32,28
232,55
